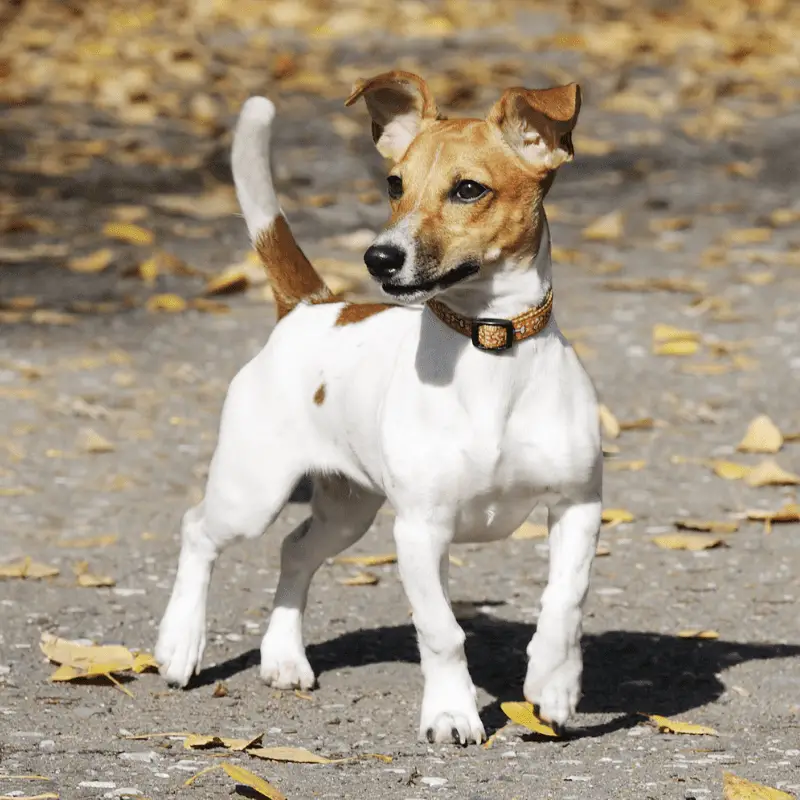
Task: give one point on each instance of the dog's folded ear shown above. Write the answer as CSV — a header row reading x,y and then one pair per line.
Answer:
x,y
538,123
398,103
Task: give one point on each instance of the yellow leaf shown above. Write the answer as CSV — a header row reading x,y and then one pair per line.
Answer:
x,y
90,541
641,424
128,232
698,634
93,442
607,228
769,473
682,347
94,262
15,491
209,306
82,656
149,269
739,789
143,662
241,775
608,422
530,531
367,561
665,725
46,316
730,470
45,796
762,436
789,513
198,741
523,714
298,755
706,526
228,281
219,202
748,235
784,216
669,333
360,579
687,541
90,581
169,303
625,466
27,568
616,516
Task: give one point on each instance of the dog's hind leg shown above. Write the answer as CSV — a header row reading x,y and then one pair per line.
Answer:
x,y
341,513
254,469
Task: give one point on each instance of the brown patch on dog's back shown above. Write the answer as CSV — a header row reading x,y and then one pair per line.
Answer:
x,y
319,395
291,275
357,312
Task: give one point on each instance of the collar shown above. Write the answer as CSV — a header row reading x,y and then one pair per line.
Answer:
x,y
496,335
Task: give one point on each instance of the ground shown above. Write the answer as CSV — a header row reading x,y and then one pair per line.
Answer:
x,y
694,155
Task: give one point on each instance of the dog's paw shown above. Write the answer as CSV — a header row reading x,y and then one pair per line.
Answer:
x,y
181,642
283,670
553,682
453,727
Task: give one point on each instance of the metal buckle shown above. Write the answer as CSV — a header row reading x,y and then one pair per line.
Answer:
x,y
506,324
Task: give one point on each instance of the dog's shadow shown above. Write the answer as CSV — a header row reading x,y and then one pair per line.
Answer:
x,y
625,673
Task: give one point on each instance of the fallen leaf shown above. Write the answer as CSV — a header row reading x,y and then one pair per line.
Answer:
x,y
142,662
784,216
297,755
27,568
197,741
730,470
625,466
367,561
169,303
748,235
669,333
641,424
608,422
676,348
602,550
530,531
93,442
128,232
83,656
45,796
762,436
229,281
616,516
698,634
789,513
220,690
94,262
89,541
706,526
736,788
46,316
219,202
90,581
243,776
678,285
687,541
523,714
665,725
607,228
360,579
770,473
666,224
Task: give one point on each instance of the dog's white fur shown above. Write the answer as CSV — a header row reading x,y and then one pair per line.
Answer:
x,y
462,443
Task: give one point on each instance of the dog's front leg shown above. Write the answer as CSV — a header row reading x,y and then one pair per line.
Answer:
x,y
555,664
449,712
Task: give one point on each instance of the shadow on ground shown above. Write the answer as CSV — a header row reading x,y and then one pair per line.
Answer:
x,y
625,673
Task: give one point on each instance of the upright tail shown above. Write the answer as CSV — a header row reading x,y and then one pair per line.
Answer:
x,y
292,277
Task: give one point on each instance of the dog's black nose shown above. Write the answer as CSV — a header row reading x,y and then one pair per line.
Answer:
x,y
384,260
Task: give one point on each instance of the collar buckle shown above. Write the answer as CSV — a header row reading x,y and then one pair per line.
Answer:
x,y
492,322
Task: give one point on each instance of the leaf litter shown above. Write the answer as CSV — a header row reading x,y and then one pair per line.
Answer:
x,y
736,788
666,725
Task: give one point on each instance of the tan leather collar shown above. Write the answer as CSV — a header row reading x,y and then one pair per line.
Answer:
x,y
496,335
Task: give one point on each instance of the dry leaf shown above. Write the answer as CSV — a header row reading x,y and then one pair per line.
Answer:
x,y
706,526
616,516
219,202
142,662
641,424
625,466
360,579
523,714
665,725
297,755
220,690
93,442
530,531
698,634
607,228
679,285
84,657
602,550
608,422
90,541
367,561
669,333
739,789
27,568
789,513
687,541
762,436
169,303
770,473
128,232
730,470
197,741
45,796
90,581
94,262
748,235
683,347
243,776
229,281
46,316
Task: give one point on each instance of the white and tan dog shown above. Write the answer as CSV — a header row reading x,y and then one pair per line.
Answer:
x,y
463,411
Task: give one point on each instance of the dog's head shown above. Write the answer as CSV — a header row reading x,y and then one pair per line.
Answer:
x,y
465,194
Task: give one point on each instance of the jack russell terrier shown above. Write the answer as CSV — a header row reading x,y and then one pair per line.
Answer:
x,y
463,405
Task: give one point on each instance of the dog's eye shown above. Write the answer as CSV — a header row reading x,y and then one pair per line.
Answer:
x,y
469,191
395,183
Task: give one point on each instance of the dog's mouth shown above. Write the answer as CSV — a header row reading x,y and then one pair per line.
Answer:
x,y
415,290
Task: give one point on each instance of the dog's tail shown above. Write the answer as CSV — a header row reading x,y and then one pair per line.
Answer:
x,y
292,277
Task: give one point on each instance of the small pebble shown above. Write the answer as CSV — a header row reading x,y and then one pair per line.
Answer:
x,y
97,785
142,756
47,746
433,781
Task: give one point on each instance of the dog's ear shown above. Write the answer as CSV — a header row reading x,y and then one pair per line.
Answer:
x,y
398,102
538,123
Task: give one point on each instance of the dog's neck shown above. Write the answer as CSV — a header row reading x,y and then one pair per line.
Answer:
x,y
512,288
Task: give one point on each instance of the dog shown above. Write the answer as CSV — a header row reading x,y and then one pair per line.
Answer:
x,y
462,404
